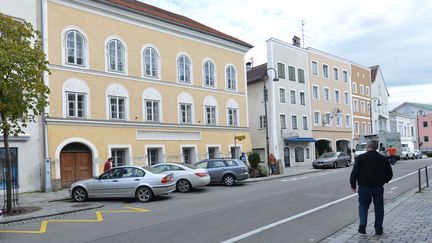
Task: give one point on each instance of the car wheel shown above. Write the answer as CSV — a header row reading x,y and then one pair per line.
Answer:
x,y
183,186
315,167
144,194
347,164
334,165
228,180
79,194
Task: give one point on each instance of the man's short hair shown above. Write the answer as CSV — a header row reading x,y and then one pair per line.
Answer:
x,y
373,144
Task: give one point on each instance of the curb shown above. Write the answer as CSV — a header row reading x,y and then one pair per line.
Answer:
x,y
259,179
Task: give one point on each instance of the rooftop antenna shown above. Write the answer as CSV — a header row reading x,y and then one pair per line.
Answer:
x,y
303,23
251,61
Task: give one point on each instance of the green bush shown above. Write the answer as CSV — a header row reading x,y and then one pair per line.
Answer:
x,y
429,154
264,170
254,159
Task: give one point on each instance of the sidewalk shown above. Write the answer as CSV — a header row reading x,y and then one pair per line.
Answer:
x,y
290,171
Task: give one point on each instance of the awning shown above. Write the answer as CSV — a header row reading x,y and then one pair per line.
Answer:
x,y
307,140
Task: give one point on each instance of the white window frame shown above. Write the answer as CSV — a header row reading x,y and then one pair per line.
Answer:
x,y
186,74
117,104
339,119
153,114
161,147
294,125
364,131
356,127
337,96
293,97
329,122
86,63
318,113
362,89
318,92
362,107
152,94
283,121
314,63
156,65
74,85
335,73
282,97
323,70
347,120
345,76
262,122
128,147
346,98
209,73
302,101
328,98
117,40
303,122
355,105
354,85
186,113
367,91
227,84
187,99
76,94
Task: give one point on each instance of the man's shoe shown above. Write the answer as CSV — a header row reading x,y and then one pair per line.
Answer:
x,y
362,229
379,231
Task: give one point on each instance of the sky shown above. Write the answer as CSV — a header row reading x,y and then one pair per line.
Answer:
x,y
395,34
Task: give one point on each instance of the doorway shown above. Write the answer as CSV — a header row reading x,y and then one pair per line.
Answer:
x,y
75,164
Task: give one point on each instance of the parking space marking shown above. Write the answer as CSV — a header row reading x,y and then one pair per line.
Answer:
x,y
99,218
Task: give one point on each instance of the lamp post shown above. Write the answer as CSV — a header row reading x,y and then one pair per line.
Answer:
x,y
275,79
420,112
370,113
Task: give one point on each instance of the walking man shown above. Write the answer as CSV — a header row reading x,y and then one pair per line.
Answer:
x,y
371,171
392,153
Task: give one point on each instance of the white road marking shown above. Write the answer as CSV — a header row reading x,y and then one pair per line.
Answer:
x,y
393,188
269,226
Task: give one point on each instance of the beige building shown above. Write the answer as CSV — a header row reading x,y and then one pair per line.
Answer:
x,y
361,95
330,102
142,85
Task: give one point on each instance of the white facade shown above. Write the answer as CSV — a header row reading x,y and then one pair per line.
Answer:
x,y
28,146
405,126
380,114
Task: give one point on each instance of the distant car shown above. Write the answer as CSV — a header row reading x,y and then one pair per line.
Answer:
x,y
332,160
226,171
186,176
141,183
417,154
407,153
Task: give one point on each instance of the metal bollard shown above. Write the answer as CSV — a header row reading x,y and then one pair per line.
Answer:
x,y
427,177
419,179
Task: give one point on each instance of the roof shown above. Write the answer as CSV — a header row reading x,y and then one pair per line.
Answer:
x,y
419,105
257,73
166,16
374,71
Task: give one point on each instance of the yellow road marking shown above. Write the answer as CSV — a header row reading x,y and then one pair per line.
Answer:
x,y
99,218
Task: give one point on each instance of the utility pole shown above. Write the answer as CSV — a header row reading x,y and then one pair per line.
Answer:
x,y
302,30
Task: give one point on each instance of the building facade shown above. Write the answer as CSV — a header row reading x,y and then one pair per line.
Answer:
x,y
361,98
380,113
26,149
127,91
405,126
424,135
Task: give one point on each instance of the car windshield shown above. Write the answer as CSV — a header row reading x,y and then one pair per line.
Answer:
x,y
152,170
405,149
361,147
328,155
193,167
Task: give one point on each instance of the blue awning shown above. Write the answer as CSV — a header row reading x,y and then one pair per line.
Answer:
x,y
307,140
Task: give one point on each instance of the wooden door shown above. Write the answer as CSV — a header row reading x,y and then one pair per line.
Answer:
x,y
74,166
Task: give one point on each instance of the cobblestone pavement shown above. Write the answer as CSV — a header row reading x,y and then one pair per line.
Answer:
x,y
408,219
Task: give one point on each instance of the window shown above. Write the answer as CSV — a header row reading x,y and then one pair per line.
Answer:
x,y
210,115
314,68
326,94
317,117
426,138
354,87
184,69
425,124
14,163
300,74
213,152
293,96
154,156
302,98
362,107
282,118
305,123
294,122
282,95
119,156
368,108
356,106
361,89
231,78
117,108
262,122
346,98
307,153
367,91
185,113
116,56
337,96
363,127
76,105
357,128
345,76
75,48
291,73
151,63
335,74
328,119
299,154
338,119
152,110
347,120
188,155
232,117
325,71
209,73
315,92
281,70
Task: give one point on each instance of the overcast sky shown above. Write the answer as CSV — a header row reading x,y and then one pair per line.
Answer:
x,y
395,34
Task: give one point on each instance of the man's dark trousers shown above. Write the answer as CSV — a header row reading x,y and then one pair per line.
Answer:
x,y
366,195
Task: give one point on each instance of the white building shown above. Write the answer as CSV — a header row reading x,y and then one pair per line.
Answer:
x,y
26,149
405,126
380,114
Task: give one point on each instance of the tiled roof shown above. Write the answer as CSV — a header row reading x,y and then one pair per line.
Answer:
x,y
166,16
257,73
374,71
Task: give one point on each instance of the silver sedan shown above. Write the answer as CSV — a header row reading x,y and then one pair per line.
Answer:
x,y
141,183
186,176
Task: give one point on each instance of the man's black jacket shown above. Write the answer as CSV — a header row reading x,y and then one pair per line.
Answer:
x,y
371,169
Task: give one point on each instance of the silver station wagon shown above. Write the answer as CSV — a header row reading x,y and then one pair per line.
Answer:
x,y
141,183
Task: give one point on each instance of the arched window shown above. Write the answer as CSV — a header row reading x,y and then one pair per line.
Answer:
x,y
117,102
209,73
210,111
151,62
232,113
76,99
231,81
152,105
75,48
185,108
116,56
299,154
184,69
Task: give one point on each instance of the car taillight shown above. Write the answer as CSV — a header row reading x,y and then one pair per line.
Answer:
x,y
165,180
201,174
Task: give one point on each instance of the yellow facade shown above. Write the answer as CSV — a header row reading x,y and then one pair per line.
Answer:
x,y
361,95
97,131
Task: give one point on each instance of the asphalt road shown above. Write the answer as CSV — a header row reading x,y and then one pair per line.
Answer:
x,y
305,208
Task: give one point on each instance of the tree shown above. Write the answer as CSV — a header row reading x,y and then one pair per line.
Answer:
x,y
23,94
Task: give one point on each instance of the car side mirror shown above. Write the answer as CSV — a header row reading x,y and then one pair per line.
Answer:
x,y
96,177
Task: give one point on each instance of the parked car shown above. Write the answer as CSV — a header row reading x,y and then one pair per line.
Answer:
x,y
141,183
417,154
186,176
226,171
407,153
332,160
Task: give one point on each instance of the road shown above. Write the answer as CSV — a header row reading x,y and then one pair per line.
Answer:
x,y
304,208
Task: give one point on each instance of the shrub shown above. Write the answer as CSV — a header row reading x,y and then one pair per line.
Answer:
x,y
254,159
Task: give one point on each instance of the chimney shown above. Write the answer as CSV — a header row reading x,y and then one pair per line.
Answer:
x,y
296,41
248,66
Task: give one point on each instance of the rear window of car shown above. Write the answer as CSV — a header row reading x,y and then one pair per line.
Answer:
x,y
216,164
230,163
190,166
153,169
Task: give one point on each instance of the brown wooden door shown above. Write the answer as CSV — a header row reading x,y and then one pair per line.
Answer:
x,y
74,166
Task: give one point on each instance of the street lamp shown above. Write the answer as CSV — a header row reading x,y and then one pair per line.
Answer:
x,y
275,79
370,113
420,112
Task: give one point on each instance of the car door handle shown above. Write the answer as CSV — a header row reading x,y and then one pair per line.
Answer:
x,y
136,179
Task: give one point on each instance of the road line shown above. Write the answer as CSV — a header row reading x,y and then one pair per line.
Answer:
x,y
269,226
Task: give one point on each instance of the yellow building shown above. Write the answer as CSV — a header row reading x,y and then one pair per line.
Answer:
x,y
140,84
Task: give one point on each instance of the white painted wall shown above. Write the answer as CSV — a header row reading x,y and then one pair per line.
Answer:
x,y
379,90
405,126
